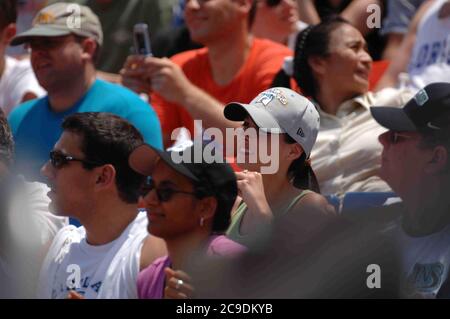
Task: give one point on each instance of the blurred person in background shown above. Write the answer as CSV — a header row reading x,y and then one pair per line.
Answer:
x,y
27,228
63,59
196,84
17,81
118,19
423,56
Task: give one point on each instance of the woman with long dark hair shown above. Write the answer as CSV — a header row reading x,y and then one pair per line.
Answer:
x,y
332,67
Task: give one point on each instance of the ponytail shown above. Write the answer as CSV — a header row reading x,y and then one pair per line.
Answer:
x,y
300,171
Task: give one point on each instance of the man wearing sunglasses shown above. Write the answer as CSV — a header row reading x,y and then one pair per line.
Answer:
x,y
64,45
416,164
90,180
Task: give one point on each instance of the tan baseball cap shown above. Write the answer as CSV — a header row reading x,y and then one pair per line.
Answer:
x,y
61,19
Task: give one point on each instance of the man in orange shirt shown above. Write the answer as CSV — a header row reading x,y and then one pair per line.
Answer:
x,y
233,66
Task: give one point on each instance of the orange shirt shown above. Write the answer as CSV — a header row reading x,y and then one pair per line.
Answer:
x,y
264,61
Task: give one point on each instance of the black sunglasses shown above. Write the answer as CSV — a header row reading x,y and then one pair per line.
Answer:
x,y
58,160
164,194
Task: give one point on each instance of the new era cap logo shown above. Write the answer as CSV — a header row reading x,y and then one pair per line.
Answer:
x,y
300,132
421,97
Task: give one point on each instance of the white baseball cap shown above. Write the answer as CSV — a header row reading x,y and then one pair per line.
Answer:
x,y
280,110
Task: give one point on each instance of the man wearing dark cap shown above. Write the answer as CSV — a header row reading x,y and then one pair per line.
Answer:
x,y
65,40
189,200
416,164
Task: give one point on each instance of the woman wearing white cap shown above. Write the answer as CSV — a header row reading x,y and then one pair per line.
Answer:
x,y
292,189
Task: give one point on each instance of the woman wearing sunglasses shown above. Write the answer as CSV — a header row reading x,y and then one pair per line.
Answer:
x,y
290,191
188,205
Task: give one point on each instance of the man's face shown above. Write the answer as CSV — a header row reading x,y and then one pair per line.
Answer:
x,y
402,161
72,186
210,20
56,60
179,214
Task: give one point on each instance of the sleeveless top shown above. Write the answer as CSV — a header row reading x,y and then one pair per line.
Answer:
x,y
233,231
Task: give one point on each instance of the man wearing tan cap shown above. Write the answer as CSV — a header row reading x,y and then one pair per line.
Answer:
x,y
65,40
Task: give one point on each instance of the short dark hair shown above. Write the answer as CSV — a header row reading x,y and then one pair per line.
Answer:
x,y
313,41
109,139
6,141
8,12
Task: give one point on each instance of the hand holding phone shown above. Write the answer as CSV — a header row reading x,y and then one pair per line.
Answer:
x,y
142,40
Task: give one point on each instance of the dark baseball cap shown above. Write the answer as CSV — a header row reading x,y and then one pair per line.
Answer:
x,y
419,113
215,176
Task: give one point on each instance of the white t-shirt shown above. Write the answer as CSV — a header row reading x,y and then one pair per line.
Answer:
x,y
425,262
430,60
17,79
106,271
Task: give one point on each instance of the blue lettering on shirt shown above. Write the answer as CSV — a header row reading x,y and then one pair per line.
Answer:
x,y
431,53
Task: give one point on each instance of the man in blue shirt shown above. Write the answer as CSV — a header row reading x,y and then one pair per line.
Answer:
x,y
65,41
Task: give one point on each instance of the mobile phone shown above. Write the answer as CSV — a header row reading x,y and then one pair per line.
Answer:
x,y
142,39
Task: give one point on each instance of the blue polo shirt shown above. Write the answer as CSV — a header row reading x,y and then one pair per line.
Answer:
x,y
36,128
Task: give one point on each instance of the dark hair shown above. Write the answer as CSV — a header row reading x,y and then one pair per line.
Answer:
x,y
313,41
225,201
8,12
252,14
6,141
109,139
301,172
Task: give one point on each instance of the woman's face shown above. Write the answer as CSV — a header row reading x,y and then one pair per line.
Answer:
x,y
174,216
348,64
258,149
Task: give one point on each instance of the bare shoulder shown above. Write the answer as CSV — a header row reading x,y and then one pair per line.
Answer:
x,y
315,203
152,248
311,214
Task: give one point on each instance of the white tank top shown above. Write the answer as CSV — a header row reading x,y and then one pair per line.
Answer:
x,y
430,61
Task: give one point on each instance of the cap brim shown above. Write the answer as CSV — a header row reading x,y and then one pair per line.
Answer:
x,y
264,120
39,31
392,118
145,157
